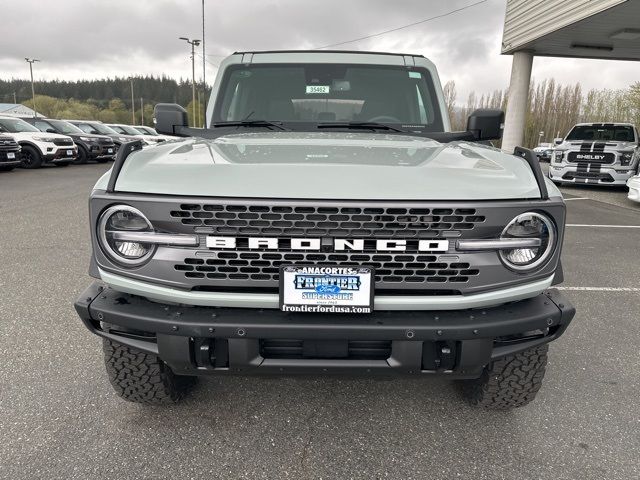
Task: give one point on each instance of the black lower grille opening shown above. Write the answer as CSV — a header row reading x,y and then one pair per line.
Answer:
x,y
326,349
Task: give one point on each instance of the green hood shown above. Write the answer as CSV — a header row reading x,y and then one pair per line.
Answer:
x,y
327,165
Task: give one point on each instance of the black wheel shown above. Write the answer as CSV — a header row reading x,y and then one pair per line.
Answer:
x,y
142,377
62,164
6,168
82,156
512,381
30,157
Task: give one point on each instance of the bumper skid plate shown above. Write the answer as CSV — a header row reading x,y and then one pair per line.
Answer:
x,y
207,340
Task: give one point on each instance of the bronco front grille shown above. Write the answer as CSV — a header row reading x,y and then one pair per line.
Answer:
x,y
348,222
264,266
401,266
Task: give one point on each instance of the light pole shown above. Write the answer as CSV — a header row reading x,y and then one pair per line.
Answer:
x,y
204,55
133,104
31,61
204,64
194,44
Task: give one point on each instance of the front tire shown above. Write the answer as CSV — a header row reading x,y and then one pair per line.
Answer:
x,y
141,377
510,382
30,157
82,156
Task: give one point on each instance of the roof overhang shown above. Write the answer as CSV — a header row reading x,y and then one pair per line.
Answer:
x,y
604,29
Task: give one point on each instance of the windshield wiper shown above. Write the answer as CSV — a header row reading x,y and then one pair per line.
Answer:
x,y
362,126
250,123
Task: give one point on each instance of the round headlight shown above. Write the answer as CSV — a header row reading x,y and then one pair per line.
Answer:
x,y
529,225
119,219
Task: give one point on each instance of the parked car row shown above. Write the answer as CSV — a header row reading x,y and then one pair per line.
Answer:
x,y
31,142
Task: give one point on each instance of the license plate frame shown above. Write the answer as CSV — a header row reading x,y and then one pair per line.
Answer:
x,y
69,153
11,155
327,288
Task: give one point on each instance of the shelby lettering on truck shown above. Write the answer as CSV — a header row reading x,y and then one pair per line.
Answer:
x,y
326,221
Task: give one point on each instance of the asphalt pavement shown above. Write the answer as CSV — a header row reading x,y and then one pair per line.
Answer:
x,y
59,418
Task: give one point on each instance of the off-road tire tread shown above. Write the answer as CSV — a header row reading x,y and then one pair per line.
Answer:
x,y
510,382
142,377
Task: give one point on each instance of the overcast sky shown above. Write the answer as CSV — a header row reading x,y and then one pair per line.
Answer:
x,y
96,39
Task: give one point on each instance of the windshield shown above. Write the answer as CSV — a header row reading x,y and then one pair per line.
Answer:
x,y
147,130
328,93
125,129
96,127
615,133
15,125
144,131
65,127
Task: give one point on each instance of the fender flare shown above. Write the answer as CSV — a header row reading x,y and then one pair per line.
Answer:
x,y
24,143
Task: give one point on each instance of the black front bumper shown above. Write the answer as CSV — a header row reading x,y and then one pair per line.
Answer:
x,y
5,161
61,155
96,151
208,340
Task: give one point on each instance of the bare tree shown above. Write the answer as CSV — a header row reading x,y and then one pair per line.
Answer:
x,y
450,95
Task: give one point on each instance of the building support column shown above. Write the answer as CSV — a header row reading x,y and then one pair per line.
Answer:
x,y
517,104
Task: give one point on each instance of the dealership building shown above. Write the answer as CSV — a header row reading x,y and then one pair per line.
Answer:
x,y
17,110
596,29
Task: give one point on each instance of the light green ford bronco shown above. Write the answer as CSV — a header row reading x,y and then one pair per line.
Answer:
x,y
326,221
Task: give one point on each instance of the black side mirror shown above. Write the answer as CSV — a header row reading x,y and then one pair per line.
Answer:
x,y
486,124
558,141
170,118
50,130
94,132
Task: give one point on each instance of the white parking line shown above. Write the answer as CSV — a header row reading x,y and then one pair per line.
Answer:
x,y
575,198
601,226
599,289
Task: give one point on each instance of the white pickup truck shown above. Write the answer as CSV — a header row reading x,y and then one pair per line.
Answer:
x,y
596,154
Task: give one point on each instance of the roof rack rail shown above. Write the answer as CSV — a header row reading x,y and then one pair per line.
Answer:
x,y
365,52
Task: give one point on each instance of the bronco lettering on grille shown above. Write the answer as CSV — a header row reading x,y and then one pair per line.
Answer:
x,y
337,244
